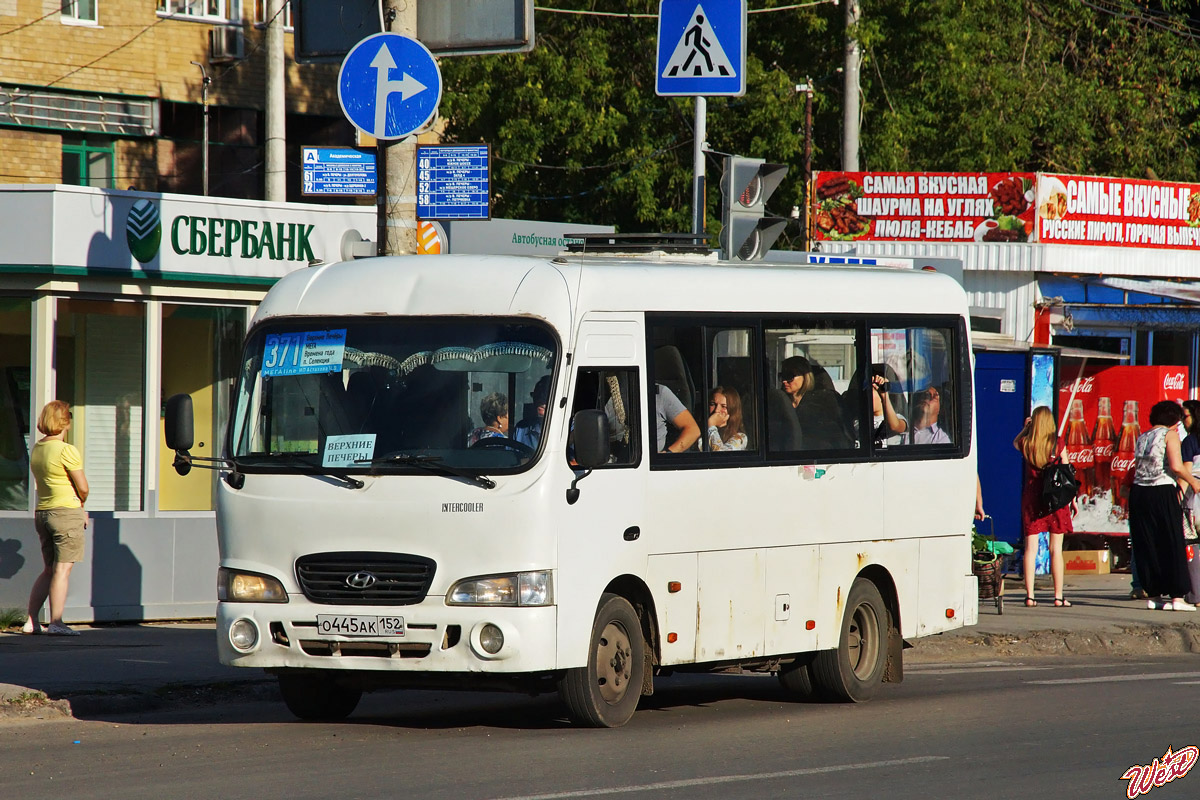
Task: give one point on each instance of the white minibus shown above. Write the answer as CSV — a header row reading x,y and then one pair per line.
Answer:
x,y
581,473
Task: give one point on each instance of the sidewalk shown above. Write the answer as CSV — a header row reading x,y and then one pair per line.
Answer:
x,y
117,668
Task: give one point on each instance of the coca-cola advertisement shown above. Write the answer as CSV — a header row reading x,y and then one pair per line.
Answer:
x,y
1109,408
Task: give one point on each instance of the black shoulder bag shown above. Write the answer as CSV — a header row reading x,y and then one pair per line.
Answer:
x,y
1059,485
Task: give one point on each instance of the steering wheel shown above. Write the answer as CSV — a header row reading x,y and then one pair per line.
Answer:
x,y
503,443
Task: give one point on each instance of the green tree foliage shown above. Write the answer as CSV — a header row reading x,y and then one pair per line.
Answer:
x,y
1081,86
1102,87
579,135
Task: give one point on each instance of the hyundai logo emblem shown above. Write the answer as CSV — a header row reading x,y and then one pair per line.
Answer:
x,y
360,580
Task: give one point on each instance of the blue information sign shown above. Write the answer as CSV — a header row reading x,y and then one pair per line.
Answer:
x,y
389,86
337,171
453,182
701,48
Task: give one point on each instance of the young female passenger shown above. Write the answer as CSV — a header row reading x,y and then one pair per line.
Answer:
x,y
1038,442
725,420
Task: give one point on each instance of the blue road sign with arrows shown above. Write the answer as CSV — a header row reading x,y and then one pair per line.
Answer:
x,y
389,86
701,48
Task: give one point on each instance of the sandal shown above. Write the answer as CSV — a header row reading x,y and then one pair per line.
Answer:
x,y
1061,603
1029,601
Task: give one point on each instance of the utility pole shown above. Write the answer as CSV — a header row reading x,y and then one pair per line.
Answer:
x,y
204,84
805,216
850,113
395,160
275,154
699,210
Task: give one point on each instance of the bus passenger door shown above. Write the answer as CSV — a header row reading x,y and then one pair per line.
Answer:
x,y
602,539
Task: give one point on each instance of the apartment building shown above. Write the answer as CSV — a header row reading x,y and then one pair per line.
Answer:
x,y
108,93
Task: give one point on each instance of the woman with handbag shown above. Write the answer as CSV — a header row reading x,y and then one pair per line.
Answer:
x,y
1155,517
1039,444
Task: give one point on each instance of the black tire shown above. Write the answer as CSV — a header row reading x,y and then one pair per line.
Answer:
x,y
605,693
852,672
317,697
797,681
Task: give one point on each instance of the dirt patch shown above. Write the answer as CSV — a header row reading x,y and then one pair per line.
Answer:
x,y
1132,641
33,705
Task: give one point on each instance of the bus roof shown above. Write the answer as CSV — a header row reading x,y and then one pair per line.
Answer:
x,y
550,287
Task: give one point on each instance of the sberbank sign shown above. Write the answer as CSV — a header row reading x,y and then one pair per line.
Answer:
x,y
247,238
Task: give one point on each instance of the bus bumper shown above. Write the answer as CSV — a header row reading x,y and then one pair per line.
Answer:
x,y
435,638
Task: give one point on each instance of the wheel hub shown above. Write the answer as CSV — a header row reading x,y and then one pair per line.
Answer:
x,y
614,659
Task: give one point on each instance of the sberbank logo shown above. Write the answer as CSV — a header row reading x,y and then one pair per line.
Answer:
x,y
143,230
247,238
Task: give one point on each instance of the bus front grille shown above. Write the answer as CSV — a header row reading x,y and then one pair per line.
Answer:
x,y
372,579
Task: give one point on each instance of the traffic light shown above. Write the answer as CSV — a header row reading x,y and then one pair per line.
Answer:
x,y
747,233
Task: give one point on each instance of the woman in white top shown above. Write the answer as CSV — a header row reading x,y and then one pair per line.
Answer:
x,y
725,420
1155,518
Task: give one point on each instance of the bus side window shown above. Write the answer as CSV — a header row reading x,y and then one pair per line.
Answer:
x,y
729,423
919,368
808,369
677,384
615,392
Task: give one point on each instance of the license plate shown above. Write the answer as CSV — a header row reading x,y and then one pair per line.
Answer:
x,y
359,625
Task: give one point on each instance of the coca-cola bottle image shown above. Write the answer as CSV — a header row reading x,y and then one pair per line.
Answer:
x,y
1123,460
1079,449
1104,441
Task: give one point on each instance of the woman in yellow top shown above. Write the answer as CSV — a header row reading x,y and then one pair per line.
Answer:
x,y
60,519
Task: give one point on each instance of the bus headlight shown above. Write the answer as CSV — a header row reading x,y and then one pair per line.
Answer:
x,y
248,587
517,589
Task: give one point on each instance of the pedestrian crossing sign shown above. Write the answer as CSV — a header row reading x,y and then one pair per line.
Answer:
x,y
701,48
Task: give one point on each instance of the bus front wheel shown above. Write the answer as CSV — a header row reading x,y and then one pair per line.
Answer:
x,y
852,672
604,694
317,698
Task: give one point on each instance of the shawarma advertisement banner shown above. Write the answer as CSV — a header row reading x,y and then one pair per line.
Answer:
x,y
1005,207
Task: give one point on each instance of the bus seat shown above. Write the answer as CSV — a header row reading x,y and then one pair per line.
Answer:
x,y
783,429
671,371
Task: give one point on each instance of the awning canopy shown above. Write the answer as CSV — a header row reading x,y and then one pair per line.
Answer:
x,y
992,343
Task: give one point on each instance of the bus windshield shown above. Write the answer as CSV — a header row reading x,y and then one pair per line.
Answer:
x,y
393,395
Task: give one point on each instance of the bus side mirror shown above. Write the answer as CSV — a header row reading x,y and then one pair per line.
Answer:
x,y
178,425
592,447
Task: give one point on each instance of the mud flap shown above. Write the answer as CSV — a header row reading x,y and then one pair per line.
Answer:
x,y
893,669
648,674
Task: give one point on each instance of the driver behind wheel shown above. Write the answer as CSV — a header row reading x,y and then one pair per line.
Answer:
x,y
493,408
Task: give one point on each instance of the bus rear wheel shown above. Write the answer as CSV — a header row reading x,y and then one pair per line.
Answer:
x,y
317,697
796,679
852,672
605,693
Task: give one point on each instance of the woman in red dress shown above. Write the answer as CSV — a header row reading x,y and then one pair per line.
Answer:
x,y
1038,442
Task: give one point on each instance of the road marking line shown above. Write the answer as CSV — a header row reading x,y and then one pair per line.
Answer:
x,y
684,784
1161,676
966,670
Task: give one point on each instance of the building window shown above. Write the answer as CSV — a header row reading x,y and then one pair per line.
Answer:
x,y
212,10
15,341
88,162
100,369
85,11
262,14
207,373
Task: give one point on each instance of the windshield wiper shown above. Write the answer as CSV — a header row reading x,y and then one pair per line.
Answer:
x,y
430,464
298,462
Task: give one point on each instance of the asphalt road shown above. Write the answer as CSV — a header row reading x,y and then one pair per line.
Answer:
x,y
1039,727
